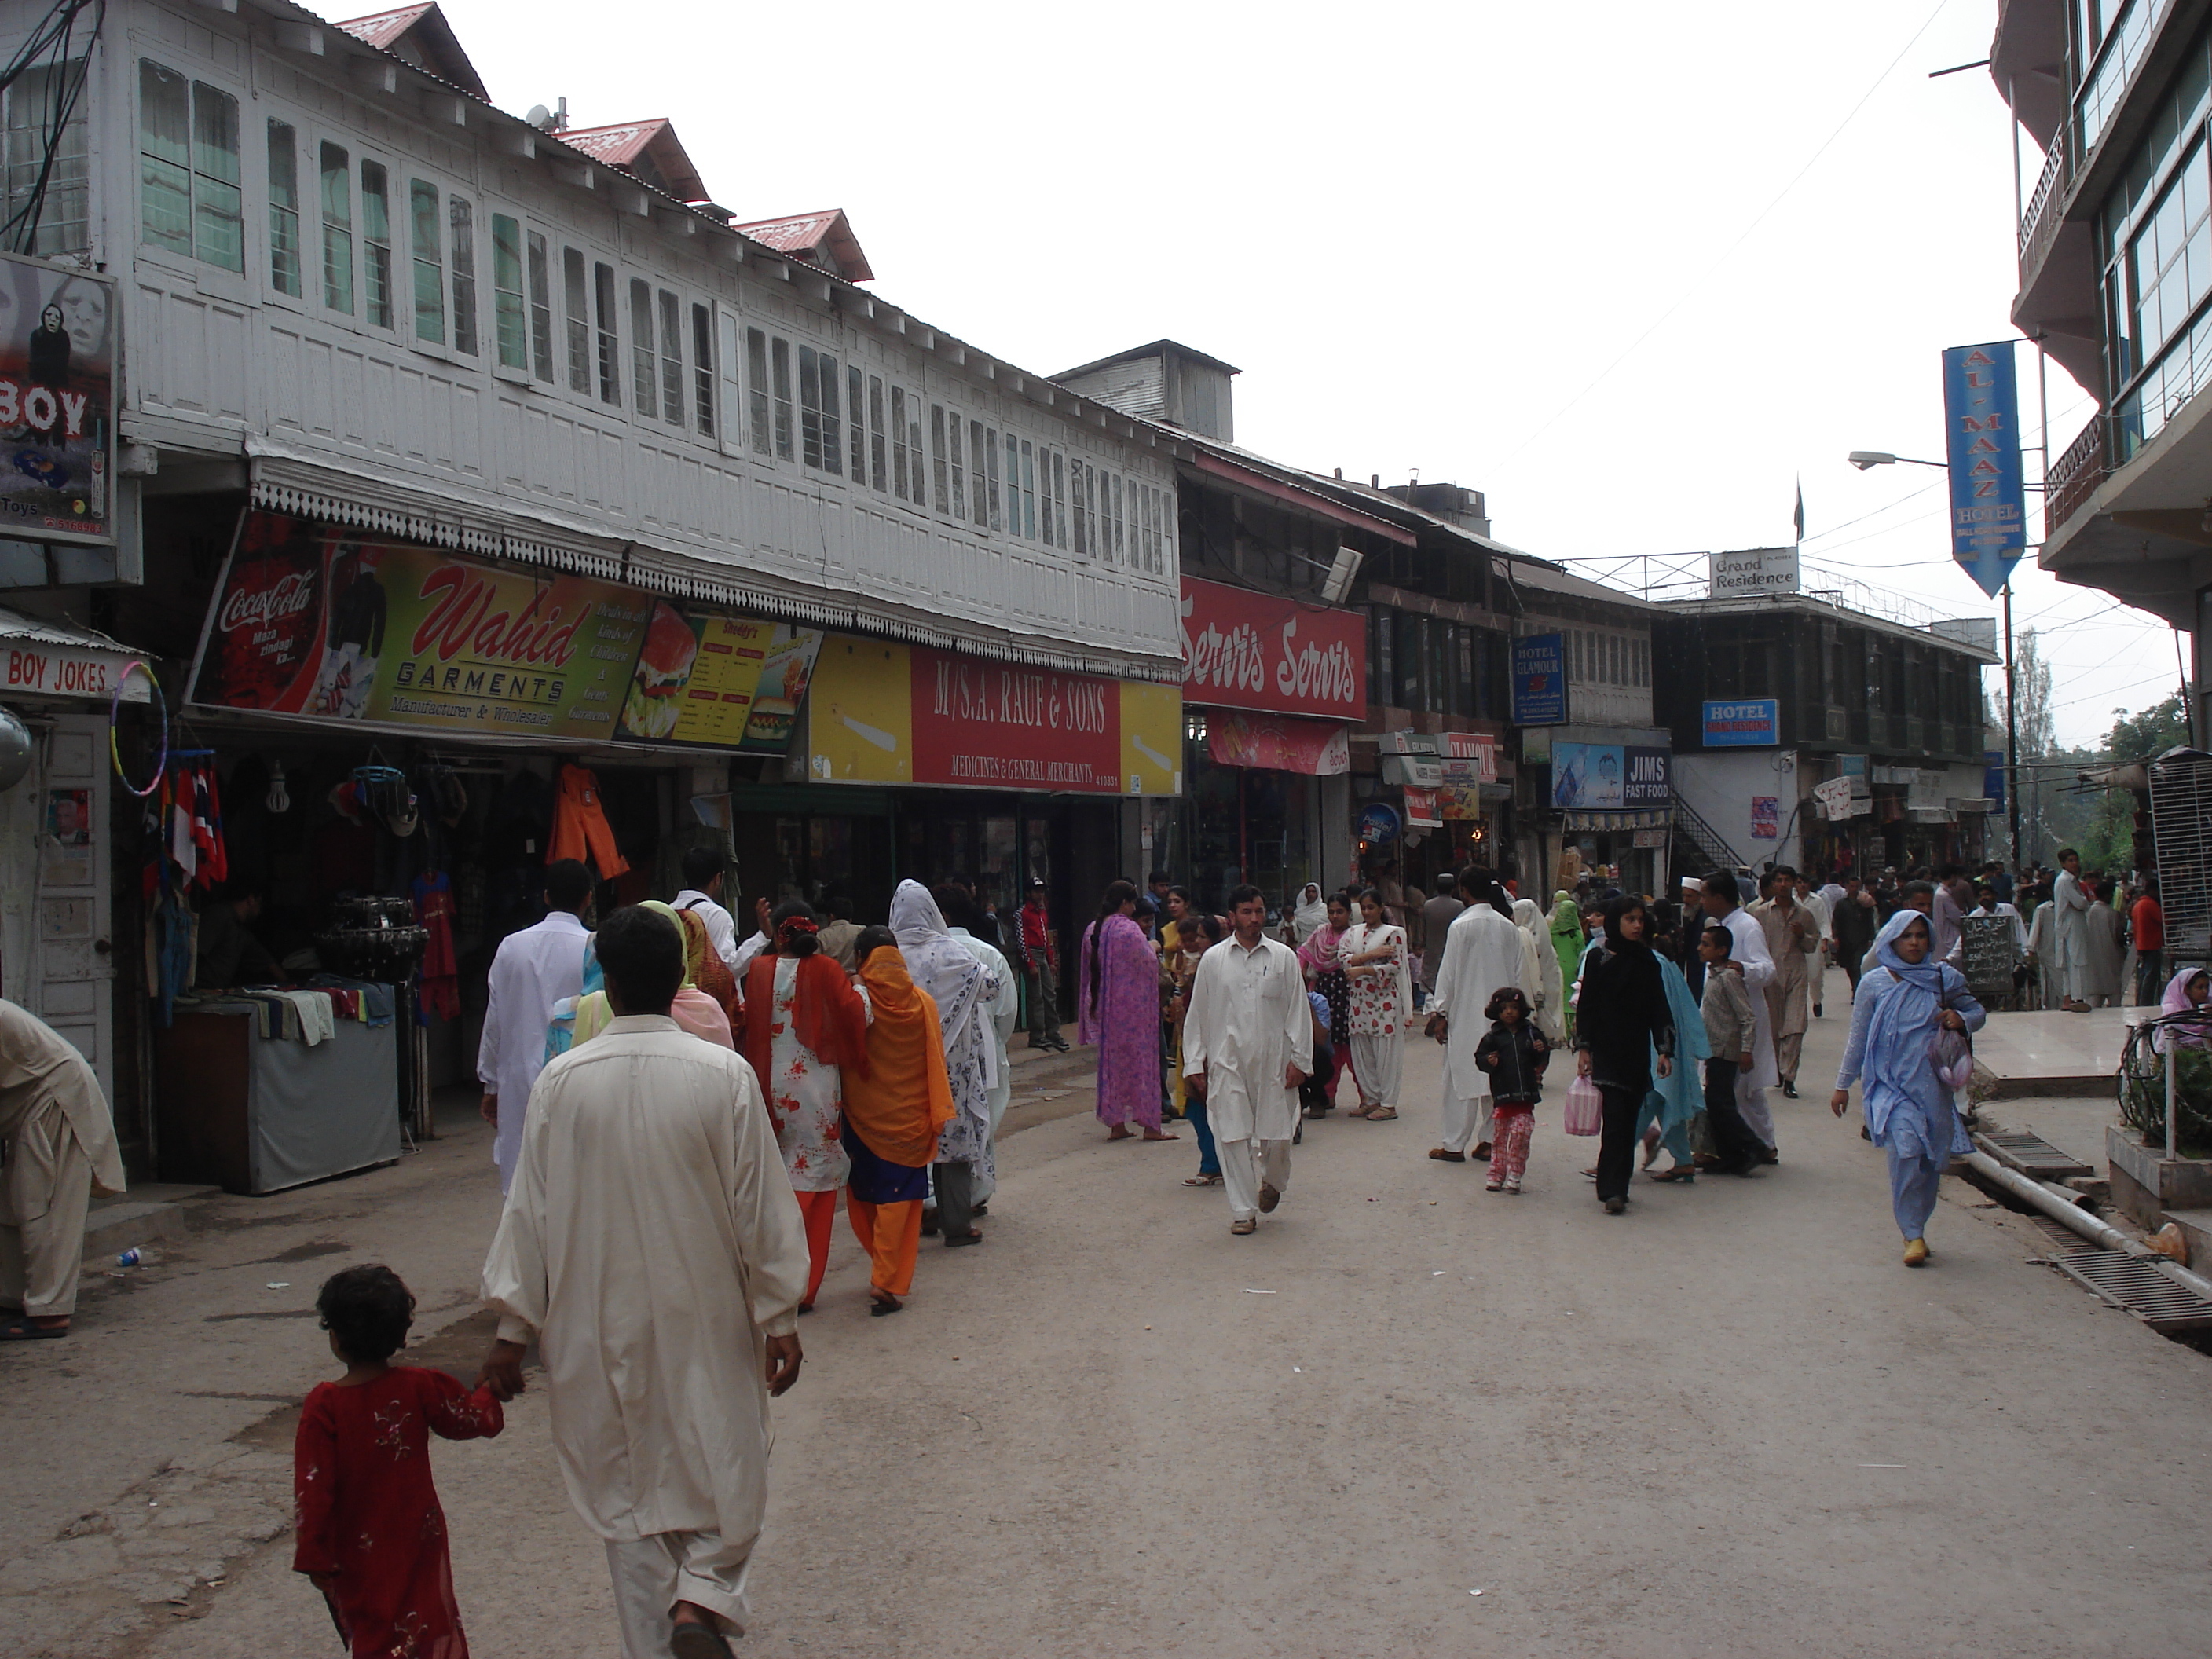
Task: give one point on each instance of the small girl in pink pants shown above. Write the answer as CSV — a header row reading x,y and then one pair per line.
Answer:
x,y
1513,1055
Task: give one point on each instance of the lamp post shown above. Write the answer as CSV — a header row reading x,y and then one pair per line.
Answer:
x,y
1864,459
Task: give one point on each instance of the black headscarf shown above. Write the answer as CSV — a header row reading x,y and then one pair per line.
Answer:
x,y
1616,940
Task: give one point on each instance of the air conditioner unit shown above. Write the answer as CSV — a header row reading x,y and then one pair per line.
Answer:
x,y
1341,575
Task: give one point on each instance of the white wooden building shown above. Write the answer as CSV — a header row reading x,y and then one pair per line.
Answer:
x,y
401,308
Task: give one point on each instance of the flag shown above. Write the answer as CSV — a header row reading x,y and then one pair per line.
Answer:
x,y
1801,509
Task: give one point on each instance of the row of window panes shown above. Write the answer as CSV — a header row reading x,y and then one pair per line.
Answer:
x,y
802,405
1600,658
1430,665
32,101
189,157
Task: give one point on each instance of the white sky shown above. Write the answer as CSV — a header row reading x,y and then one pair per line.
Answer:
x,y
1422,230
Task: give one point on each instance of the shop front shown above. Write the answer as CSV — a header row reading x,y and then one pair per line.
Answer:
x,y
959,766
396,736
1607,807
1271,686
1455,810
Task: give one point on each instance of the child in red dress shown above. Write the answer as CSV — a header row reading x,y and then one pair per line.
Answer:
x,y
371,1536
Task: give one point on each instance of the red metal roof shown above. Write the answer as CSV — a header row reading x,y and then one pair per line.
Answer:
x,y
823,239
420,35
648,148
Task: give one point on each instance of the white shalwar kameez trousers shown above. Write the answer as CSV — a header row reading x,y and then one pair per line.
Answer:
x,y
2070,903
1248,1021
652,1244
1749,949
56,1148
1483,956
533,970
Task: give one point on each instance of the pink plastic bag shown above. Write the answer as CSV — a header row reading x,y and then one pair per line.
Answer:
x,y
1585,1107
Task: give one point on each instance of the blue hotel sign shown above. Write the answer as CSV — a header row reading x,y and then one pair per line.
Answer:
x,y
1989,495
1749,723
1539,680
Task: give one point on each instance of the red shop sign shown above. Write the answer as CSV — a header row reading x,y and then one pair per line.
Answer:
x,y
1006,725
1247,650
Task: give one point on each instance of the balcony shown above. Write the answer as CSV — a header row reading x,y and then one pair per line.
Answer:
x,y
2047,206
2074,475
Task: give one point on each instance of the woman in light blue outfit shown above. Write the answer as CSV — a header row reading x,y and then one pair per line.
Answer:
x,y
1900,1007
1676,1099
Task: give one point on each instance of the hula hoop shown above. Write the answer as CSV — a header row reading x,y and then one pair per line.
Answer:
x,y
115,749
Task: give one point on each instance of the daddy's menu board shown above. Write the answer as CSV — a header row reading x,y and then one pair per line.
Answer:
x,y
731,682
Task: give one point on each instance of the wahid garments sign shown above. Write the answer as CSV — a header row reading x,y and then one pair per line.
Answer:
x,y
1989,497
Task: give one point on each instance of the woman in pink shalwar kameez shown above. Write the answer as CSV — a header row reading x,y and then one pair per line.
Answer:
x,y
1118,1010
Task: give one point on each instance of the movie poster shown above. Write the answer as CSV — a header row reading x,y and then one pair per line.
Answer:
x,y
57,331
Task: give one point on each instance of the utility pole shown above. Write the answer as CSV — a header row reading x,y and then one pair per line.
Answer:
x,y
2012,735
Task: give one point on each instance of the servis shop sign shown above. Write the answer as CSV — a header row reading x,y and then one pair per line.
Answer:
x,y
1247,650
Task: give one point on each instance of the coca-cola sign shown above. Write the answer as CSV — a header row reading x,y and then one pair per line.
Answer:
x,y
1247,650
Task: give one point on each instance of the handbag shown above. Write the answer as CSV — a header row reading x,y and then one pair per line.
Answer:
x,y
1585,1107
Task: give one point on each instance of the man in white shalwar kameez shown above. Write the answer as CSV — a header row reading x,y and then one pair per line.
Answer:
x,y
1483,954
1823,913
1749,951
651,1244
2070,919
1246,1045
532,969
56,1148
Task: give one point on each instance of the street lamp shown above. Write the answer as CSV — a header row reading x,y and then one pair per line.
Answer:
x,y
1864,459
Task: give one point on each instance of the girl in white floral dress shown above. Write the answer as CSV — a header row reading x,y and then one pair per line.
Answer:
x,y
1375,960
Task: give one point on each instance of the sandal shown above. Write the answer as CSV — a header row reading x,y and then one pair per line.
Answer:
x,y
21,1329
1680,1172
1357,1111
1381,1115
1442,1156
1201,1181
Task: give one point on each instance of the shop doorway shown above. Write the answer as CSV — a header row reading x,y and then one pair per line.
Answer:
x,y
74,958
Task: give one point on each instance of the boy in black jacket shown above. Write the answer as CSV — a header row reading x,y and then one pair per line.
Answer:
x,y
1514,1053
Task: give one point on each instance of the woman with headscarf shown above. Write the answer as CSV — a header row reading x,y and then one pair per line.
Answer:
x,y
898,1105
1566,931
962,990
1311,914
1375,955
1623,1035
1321,957
1677,1100
1117,1011
1901,1006
560,1034
2187,994
809,1030
693,1009
1547,986
706,970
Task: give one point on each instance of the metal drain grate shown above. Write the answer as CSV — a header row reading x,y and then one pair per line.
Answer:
x,y
2128,1282
2032,1155
2062,1236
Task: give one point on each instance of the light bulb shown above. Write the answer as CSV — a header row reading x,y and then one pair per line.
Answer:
x,y
278,801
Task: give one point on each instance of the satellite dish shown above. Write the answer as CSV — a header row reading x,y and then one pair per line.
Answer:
x,y
16,750
540,117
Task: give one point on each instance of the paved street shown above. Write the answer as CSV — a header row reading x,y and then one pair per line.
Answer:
x,y
1728,1423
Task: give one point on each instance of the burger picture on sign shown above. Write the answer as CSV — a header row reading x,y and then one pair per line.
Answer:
x,y
663,664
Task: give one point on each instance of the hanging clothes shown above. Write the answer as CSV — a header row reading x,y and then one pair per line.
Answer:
x,y
439,973
580,826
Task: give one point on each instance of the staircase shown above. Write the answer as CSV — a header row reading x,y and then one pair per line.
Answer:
x,y
1707,850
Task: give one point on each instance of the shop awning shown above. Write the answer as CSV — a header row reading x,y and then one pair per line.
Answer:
x,y
1278,743
42,659
1605,822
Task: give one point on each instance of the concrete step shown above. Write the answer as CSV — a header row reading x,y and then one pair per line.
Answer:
x,y
143,1215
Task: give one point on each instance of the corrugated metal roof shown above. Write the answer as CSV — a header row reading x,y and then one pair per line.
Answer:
x,y
654,142
14,625
381,29
1155,349
805,234
423,31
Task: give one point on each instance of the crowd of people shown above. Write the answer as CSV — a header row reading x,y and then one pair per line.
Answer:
x,y
692,1104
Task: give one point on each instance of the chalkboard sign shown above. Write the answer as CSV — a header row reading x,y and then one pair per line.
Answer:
x,y
1989,950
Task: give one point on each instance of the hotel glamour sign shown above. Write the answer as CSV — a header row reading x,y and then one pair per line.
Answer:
x,y
1247,650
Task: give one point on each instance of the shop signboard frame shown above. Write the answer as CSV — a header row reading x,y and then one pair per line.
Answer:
x,y
1742,723
1539,680
57,383
1271,653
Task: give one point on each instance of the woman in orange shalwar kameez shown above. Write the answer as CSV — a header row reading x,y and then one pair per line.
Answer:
x,y
892,1116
